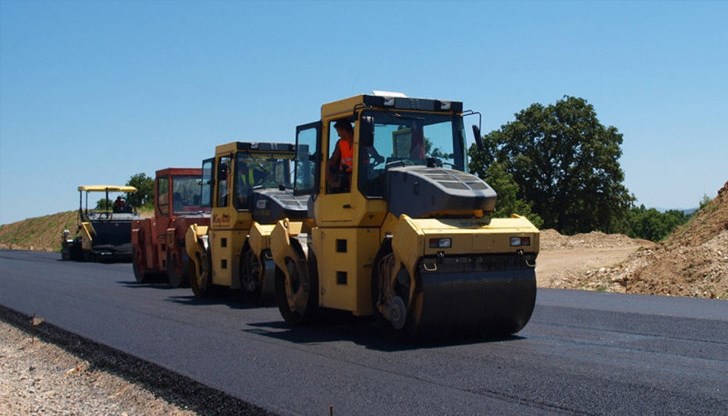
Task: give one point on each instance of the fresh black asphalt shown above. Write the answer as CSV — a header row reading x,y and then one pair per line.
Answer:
x,y
581,353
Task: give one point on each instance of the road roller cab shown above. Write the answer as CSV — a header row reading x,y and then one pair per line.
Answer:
x,y
158,243
399,230
249,188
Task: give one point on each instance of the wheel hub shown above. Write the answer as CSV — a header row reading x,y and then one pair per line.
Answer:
x,y
396,312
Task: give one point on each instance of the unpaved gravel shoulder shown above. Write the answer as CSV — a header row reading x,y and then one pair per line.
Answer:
x,y
47,371
39,378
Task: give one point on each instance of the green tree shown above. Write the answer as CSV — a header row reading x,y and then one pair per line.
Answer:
x,y
104,204
652,224
704,202
145,190
566,164
507,189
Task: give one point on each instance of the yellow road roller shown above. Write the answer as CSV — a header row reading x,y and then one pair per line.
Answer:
x,y
396,227
248,185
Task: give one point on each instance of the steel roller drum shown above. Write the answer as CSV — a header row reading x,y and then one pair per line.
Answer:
x,y
484,295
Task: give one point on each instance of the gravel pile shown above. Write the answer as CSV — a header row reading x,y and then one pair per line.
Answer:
x,y
552,240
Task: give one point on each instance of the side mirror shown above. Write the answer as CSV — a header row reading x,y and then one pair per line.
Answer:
x,y
478,137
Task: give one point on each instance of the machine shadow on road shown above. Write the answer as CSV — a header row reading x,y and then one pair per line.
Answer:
x,y
365,332
153,284
232,299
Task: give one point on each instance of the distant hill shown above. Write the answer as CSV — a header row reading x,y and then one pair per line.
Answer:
x,y
688,211
43,233
40,233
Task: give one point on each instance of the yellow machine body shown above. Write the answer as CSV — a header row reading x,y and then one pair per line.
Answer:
x,y
410,240
245,183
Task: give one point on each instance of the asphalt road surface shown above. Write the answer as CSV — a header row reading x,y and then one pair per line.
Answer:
x,y
582,352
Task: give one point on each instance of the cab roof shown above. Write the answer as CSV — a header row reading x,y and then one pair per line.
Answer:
x,y
393,101
104,188
257,148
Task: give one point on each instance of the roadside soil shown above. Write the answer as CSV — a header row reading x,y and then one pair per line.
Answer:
x,y
584,261
40,378
564,269
47,371
692,261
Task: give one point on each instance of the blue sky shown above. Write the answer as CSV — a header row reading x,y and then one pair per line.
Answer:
x,y
96,91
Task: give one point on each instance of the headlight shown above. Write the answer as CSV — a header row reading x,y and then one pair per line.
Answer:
x,y
440,242
520,241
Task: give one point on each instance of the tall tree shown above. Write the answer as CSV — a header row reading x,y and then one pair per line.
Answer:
x,y
566,164
145,190
507,189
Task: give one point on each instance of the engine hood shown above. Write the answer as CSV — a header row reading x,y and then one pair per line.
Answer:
x,y
421,191
271,205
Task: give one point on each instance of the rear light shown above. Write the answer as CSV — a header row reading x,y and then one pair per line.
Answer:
x,y
520,241
440,242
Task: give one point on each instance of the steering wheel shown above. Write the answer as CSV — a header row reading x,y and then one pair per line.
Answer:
x,y
396,163
375,161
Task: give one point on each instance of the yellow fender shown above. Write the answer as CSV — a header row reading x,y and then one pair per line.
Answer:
x,y
259,252
195,241
297,303
408,248
87,235
407,243
280,242
259,237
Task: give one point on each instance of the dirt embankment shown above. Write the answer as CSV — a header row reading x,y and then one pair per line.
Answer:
x,y
692,261
40,233
44,233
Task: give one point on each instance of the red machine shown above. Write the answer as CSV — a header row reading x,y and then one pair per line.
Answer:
x,y
158,244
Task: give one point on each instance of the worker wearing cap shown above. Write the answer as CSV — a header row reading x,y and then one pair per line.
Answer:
x,y
342,159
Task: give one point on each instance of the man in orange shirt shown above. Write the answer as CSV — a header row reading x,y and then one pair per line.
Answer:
x,y
342,160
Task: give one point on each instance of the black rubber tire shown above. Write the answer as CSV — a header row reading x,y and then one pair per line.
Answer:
x,y
410,331
306,290
250,265
177,276
201,281
65,252
137,263
88,256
